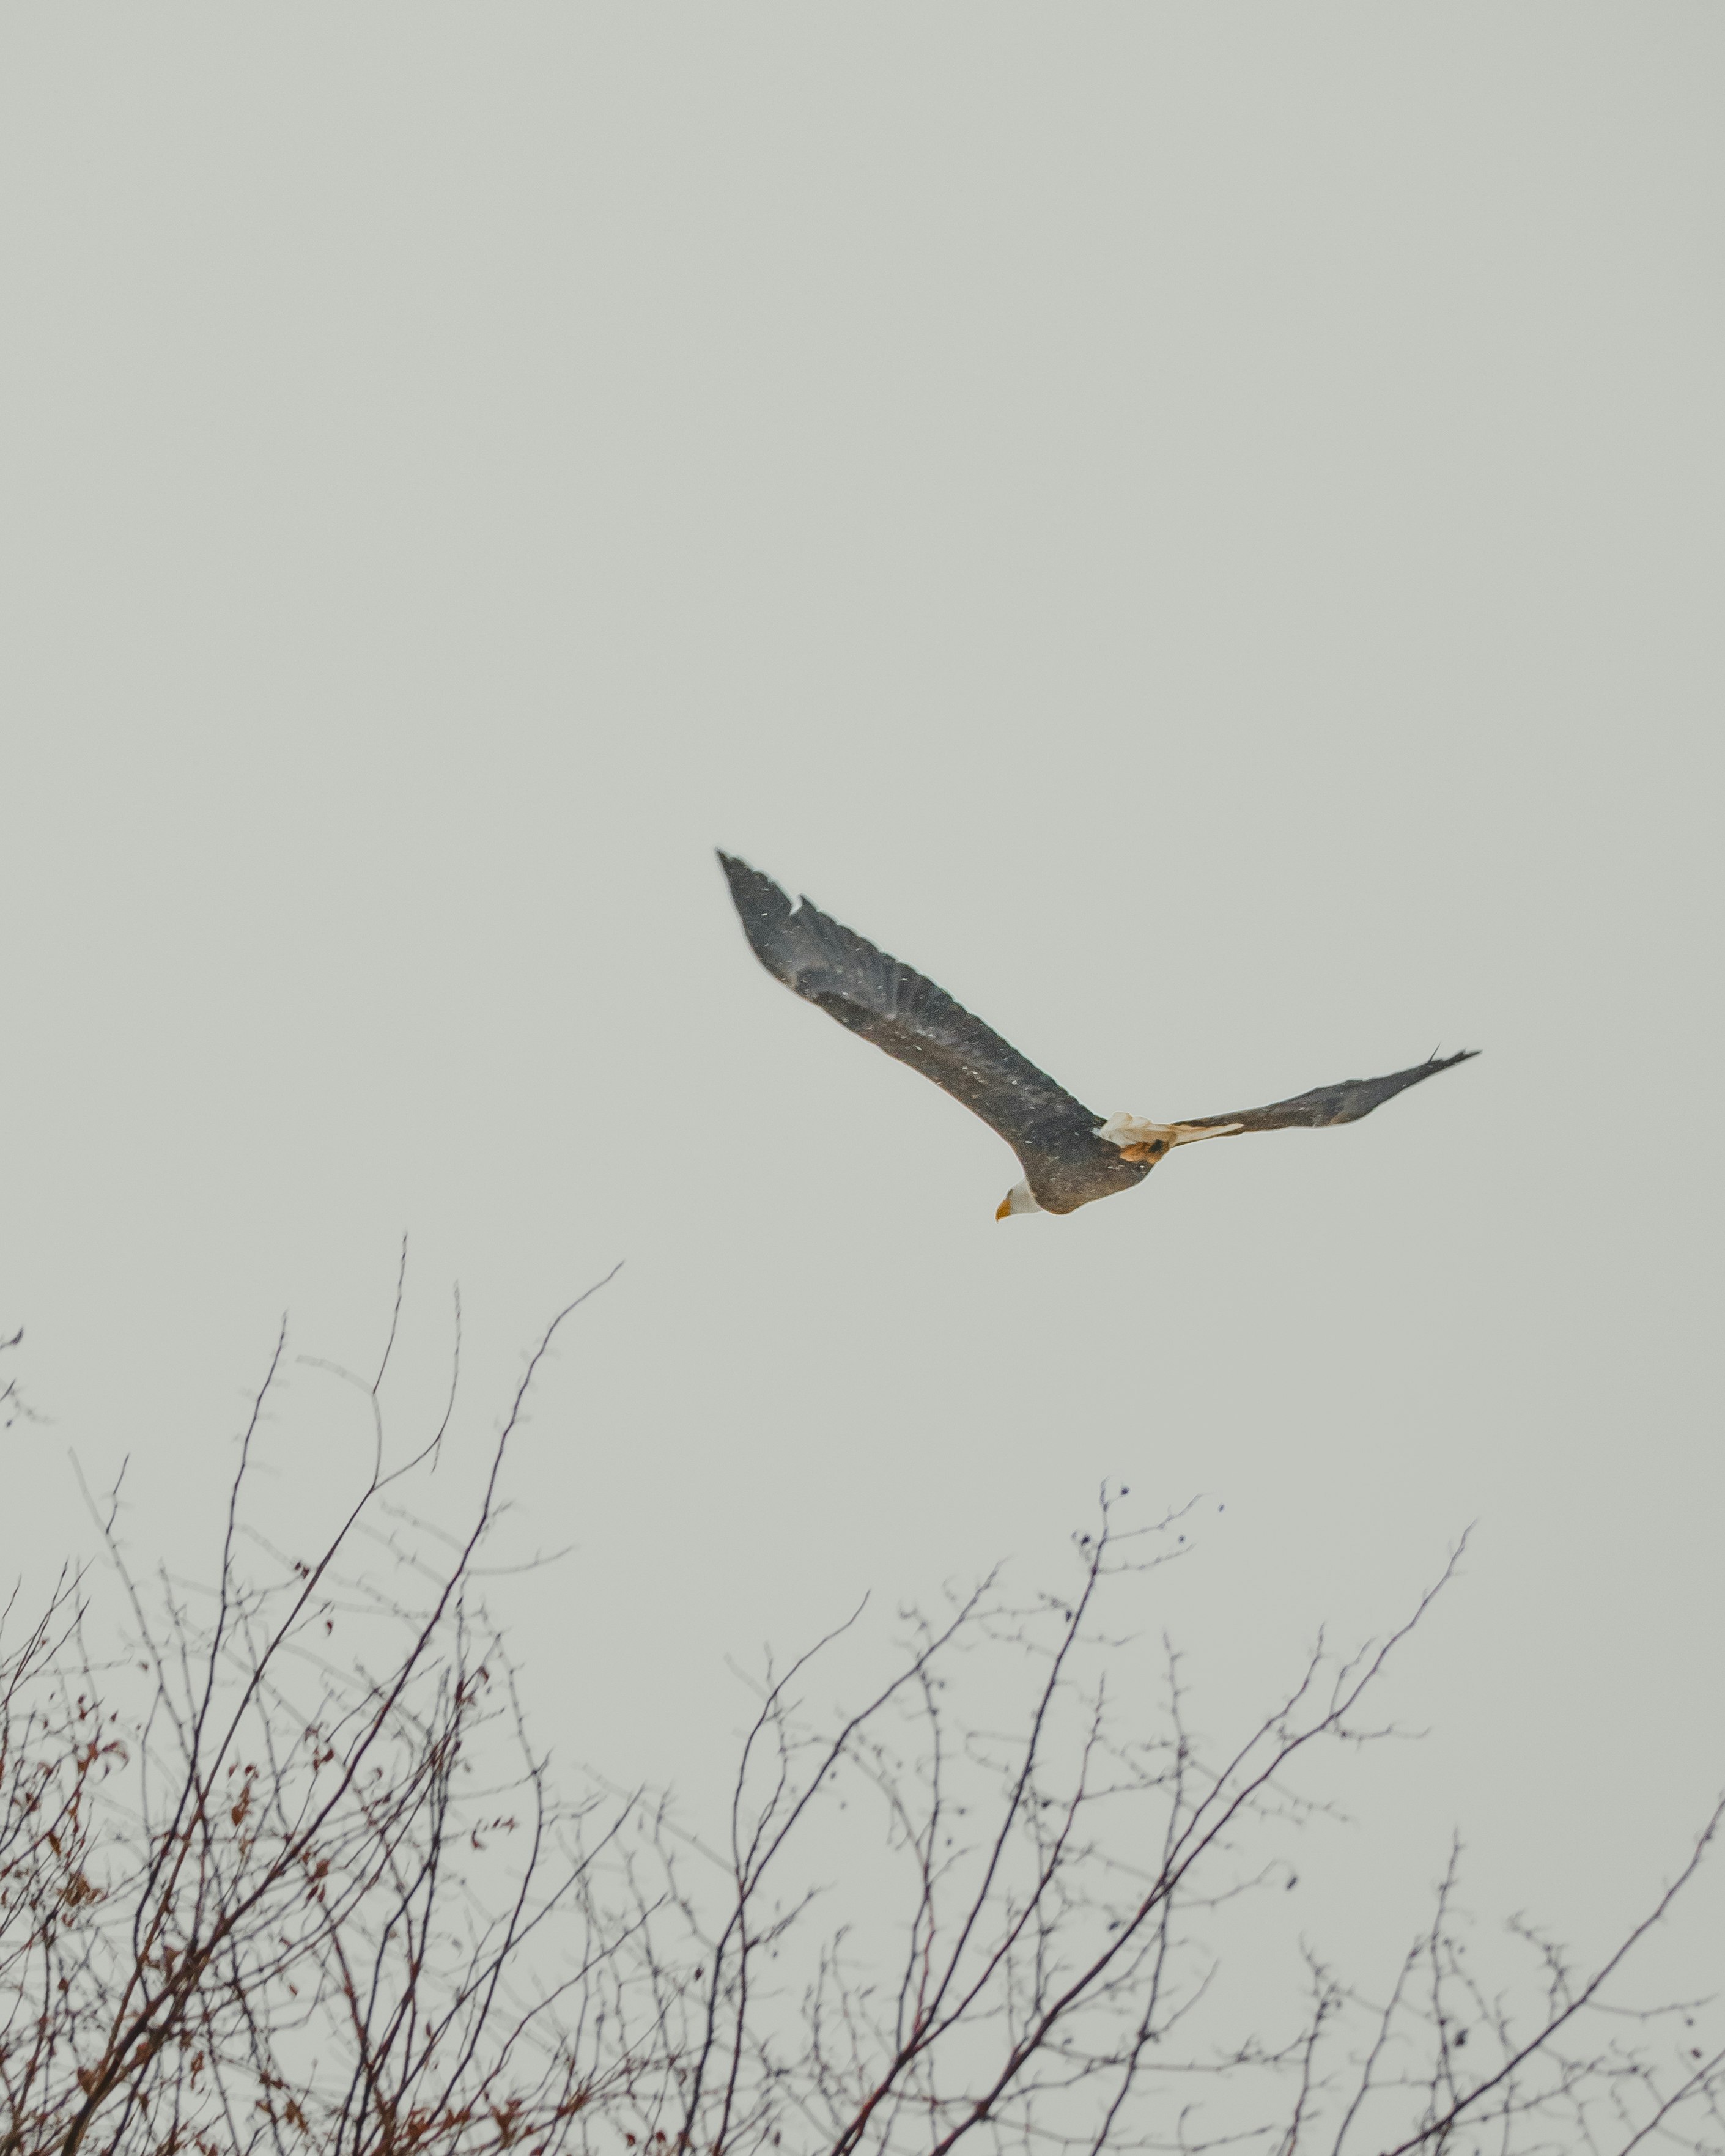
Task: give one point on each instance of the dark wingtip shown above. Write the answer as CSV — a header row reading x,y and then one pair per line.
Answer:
x,y
749,885
761,908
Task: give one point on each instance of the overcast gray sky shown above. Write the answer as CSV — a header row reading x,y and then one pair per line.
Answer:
x,y
1199,527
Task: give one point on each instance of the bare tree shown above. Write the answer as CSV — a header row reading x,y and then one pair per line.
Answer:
x,y
283,1872
262,1910
1044,1971
13,1407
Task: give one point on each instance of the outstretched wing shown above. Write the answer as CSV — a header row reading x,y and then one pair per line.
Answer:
x,y
899,1010
1344,1102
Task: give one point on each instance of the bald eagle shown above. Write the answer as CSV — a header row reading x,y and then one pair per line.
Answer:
x,y
1070,1154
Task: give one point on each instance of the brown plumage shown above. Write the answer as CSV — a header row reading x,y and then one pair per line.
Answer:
x,y
1070,1154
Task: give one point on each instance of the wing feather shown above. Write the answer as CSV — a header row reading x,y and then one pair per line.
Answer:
x,y
1344,1102
907,1015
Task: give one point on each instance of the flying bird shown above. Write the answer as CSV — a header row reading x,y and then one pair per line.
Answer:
x,y
1070,1154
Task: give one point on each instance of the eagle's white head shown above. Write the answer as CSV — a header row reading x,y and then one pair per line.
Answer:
x,y
1018,1199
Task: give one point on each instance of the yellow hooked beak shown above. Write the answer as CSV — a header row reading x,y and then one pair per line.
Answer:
x,y
1004,1208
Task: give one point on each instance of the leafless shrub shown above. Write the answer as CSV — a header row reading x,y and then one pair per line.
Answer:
x,y
286,1874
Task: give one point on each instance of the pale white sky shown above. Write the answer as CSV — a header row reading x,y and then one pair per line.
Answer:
x,y
1199,527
